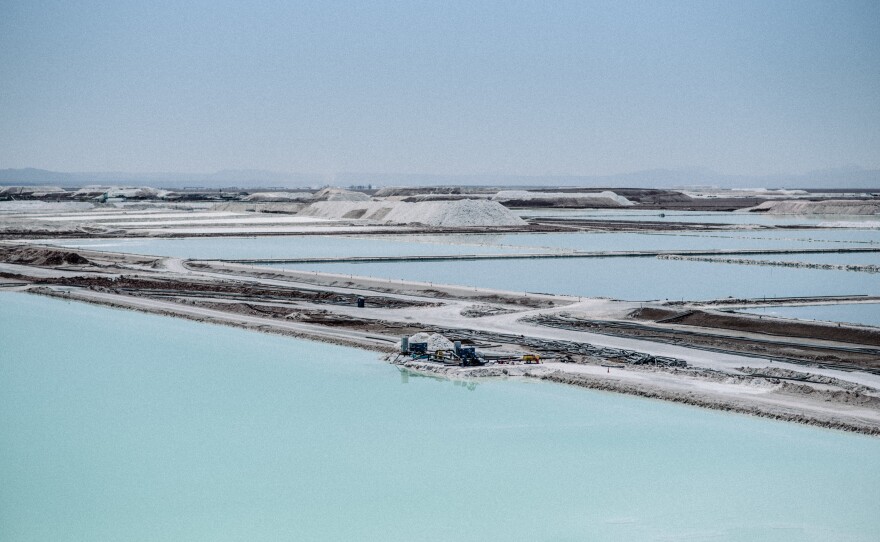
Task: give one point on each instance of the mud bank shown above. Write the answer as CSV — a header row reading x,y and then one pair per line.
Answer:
x,y
790,402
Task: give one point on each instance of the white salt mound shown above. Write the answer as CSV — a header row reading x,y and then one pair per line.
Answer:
x,y
604,197
35,191
278,196
435,341
135,192
338,194
828,207
460,213
290,207
91,191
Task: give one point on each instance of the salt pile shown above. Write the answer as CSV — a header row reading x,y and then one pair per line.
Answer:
x,y
142,192
828,207
32,191
91,191
260,207
605,198
435,341
278,196
461,213
338,194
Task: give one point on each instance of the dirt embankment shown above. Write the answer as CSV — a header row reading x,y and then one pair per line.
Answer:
x,y
780,349
707,204
306,316
166,288
756,324
569,224
42,257
791,414
436,291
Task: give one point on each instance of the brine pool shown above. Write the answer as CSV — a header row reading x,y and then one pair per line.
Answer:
x,y
277,247
312,246
633,279
117,425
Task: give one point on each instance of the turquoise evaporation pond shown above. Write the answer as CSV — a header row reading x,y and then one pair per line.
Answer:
x,y
708,217
628,278
853,313
619,241
278,247
117,425
313,246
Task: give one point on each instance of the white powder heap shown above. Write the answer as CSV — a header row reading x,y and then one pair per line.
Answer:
x,y
460,213
91,191
338,194
279,196
288,207
135,192
604,197
828,207
435,341
29,190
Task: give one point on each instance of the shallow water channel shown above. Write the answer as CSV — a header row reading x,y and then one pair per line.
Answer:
x,y
315,246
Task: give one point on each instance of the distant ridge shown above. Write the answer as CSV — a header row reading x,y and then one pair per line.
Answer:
x,y
845,177
220,179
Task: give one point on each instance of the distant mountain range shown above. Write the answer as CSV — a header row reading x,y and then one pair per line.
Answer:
x,y
847,177
220,179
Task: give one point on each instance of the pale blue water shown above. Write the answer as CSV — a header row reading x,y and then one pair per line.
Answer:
x,y
636,279
854,313
595,241
123,426
304,246
311,246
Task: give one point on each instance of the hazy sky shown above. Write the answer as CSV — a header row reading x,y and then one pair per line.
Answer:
x,y
449,88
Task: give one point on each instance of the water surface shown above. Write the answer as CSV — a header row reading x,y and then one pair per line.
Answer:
x,y
635,279
290,246
314,246
117,425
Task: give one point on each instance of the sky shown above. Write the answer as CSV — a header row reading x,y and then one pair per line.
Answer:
x,y
449,88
